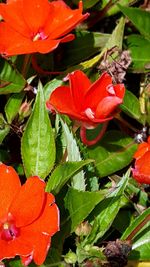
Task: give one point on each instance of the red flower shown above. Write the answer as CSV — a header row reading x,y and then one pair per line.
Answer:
x,y
28,217
36,26
88,103
141,170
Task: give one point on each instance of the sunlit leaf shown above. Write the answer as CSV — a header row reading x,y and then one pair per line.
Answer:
x,y
114,152
131,106
38,147
80,204
140,18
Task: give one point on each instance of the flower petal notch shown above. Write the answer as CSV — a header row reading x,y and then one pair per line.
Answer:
x,y
88,104
141,170
28,223
36,26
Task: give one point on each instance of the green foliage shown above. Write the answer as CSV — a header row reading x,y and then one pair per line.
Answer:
x,y
11,81
38,148
140,19
80,204
12,106
62,173
139,47
114,152
131,106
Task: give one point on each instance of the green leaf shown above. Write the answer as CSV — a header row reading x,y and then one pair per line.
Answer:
x,y
139,47
38,147
114,152
12,106
4,128
51,86
80,204
78,181
140,18
141,252
63,173
85,45
11,81
106,211
115,39
131,106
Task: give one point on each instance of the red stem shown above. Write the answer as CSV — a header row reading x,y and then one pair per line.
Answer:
x,y
94,141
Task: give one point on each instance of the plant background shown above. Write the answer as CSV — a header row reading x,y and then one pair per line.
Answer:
x,y
92,184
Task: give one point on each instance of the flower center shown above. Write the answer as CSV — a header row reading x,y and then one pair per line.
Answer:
x,y
9,231
39,36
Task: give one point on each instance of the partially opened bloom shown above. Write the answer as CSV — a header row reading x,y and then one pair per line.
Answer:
x,y
141,170
86,102
28,217
36,25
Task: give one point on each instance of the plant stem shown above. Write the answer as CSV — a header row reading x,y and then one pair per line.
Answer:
x,y
94,141
26,64
135,231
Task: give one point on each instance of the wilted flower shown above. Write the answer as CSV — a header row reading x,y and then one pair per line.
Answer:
x,y
141,170
28,217
87,103
36,26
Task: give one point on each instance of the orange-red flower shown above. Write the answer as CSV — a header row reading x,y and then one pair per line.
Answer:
x,y
141,170
36,26
28,217
89,104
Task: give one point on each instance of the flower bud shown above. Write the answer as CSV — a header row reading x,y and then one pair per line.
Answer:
x,y
70,257
83,229
25,110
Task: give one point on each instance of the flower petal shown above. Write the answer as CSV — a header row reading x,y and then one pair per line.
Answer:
x,y
48,221
142,169
107,106
36,13
97,91
79,85
9,186
64,19
40,249
119,90
22,45
29,202
142,149
12,14
14,248
61,100
39,232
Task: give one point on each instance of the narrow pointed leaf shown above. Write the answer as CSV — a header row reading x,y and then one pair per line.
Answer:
x,y
78,181
107,210
63,173
38,147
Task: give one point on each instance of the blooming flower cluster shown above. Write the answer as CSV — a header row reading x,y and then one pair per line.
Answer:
x,y
141,170
36,26
28,217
